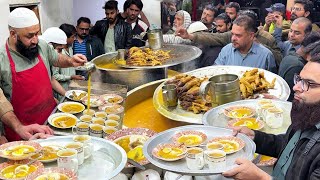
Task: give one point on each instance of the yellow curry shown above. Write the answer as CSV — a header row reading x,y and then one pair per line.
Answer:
x,y
240,112
64,122
9,172
190,140
170,153
229,146
72,108
248,122
134,150
52,176
19,151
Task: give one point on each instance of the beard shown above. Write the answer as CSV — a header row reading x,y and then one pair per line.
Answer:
x,y
304,116
293,17
83,36
29,52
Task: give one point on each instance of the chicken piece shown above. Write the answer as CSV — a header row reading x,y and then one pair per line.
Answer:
x,y
133,49
189,84
194,90
185,104
187,97
183,81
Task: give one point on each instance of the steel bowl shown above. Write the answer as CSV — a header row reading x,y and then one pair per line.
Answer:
x,y
130,77
186,58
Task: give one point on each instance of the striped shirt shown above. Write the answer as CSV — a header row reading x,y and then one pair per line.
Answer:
x,y
80,48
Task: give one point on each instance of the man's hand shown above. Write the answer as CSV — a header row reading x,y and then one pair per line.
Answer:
x,y
246,170
269,19
243,130
3,140
26,132
182,32
269,96
40,136
78,60
77,77
278,20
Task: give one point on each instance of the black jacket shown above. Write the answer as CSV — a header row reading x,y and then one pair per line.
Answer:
x,y
94,47
306,158
122,32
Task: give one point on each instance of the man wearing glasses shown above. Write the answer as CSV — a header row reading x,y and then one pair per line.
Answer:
x,y
301,8
85,44
298,150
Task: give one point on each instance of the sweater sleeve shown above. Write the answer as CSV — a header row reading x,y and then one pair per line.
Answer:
x,y
212,39
59,77
269,144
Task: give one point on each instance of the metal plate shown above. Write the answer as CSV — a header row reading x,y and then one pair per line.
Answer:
x,y
69,94
281,91
181,166
179,53
216,117
107,159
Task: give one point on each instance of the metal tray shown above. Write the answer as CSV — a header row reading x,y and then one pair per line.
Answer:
x,y
215,116
281,91
179,53
107,160
180,166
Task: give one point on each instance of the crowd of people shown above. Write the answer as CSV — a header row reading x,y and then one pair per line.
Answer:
x,y
35,72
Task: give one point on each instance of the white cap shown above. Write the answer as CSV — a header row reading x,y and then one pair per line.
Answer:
x,y
196,26
22,18
54,35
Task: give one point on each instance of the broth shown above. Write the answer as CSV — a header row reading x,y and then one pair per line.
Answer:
x,y
8,172
72,108
64,122
190,140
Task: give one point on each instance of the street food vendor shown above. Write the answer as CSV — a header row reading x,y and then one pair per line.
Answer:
x,y
25,75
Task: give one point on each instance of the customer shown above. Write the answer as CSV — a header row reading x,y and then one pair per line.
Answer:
x,y
182,19
222,39
294,62
232,10
244,51
85,44
223,23
275,10
207,17
139,28
113,31
300,27
298,150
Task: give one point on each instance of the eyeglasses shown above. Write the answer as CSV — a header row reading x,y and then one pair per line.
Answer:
x,y
305,84
296,9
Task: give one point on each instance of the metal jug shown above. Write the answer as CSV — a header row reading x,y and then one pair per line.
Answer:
x,y
155,38
222,89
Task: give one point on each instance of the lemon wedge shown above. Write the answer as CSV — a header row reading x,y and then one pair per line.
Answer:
x,y
166,150
136,153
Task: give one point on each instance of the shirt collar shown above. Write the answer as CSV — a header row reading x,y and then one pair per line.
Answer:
x,y
253,48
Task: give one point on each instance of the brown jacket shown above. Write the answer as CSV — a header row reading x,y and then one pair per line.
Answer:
x,y
5,105
222,39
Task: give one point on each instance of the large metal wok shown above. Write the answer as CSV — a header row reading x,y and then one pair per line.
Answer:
x,y
185,59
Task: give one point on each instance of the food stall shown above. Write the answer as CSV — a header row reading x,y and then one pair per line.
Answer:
x,y
103,130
